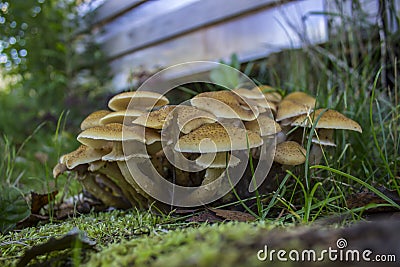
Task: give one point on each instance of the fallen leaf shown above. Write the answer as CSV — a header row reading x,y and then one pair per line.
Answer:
x,y
233,215
13,207
38,201
204,216
366,197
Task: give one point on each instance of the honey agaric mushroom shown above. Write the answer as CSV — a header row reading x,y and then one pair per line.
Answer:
x,y
263,126
214,137
93,119
293,105
190,118
290,153
250,94
301,98
225,104
288,109
119,116
142,100
330,119
154,119
256,97
100,136
82,155
269,93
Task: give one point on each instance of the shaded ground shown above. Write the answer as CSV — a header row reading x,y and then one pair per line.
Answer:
x,y
141,239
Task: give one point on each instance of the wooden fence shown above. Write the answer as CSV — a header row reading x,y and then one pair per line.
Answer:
x,y
140,35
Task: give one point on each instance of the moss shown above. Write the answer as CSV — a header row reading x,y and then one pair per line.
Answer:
x,y
206,245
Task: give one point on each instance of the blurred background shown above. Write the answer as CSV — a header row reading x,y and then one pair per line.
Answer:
x,y
62,59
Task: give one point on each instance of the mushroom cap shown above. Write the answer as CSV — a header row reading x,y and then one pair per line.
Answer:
x,y
190,118
93,119
98,136
154,119
263,103
82,155
225,104
290,153
119,116
250,94
301,98
270,93
325,137
263,125
331,119
138,99
213,137
289,109
217,160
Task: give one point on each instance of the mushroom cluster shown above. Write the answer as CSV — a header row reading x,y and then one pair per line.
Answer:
x,y
192,144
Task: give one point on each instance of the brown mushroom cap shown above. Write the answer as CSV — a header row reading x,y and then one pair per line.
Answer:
x,y
263,125
289,109
213,137
190,118
216,103
301,98
119,116
270,93
290,153
138,100
331,119
250,94
93,119
82,155
154,119
99,136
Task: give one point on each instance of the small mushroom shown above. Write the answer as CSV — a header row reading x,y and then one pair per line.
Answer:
x,y
141,100
225,104
100,136
190,118
266,128
288,109
154,119
270,93
301,98
121,116
94,119
263,126
290,153
82,155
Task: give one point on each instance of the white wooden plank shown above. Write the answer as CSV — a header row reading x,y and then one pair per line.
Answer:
x,y
189,18
112,8
251,37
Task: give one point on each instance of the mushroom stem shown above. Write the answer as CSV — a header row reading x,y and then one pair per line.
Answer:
x,y
315,155
92,183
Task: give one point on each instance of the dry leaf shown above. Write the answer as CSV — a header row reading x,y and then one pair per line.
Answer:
x,y
233,215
